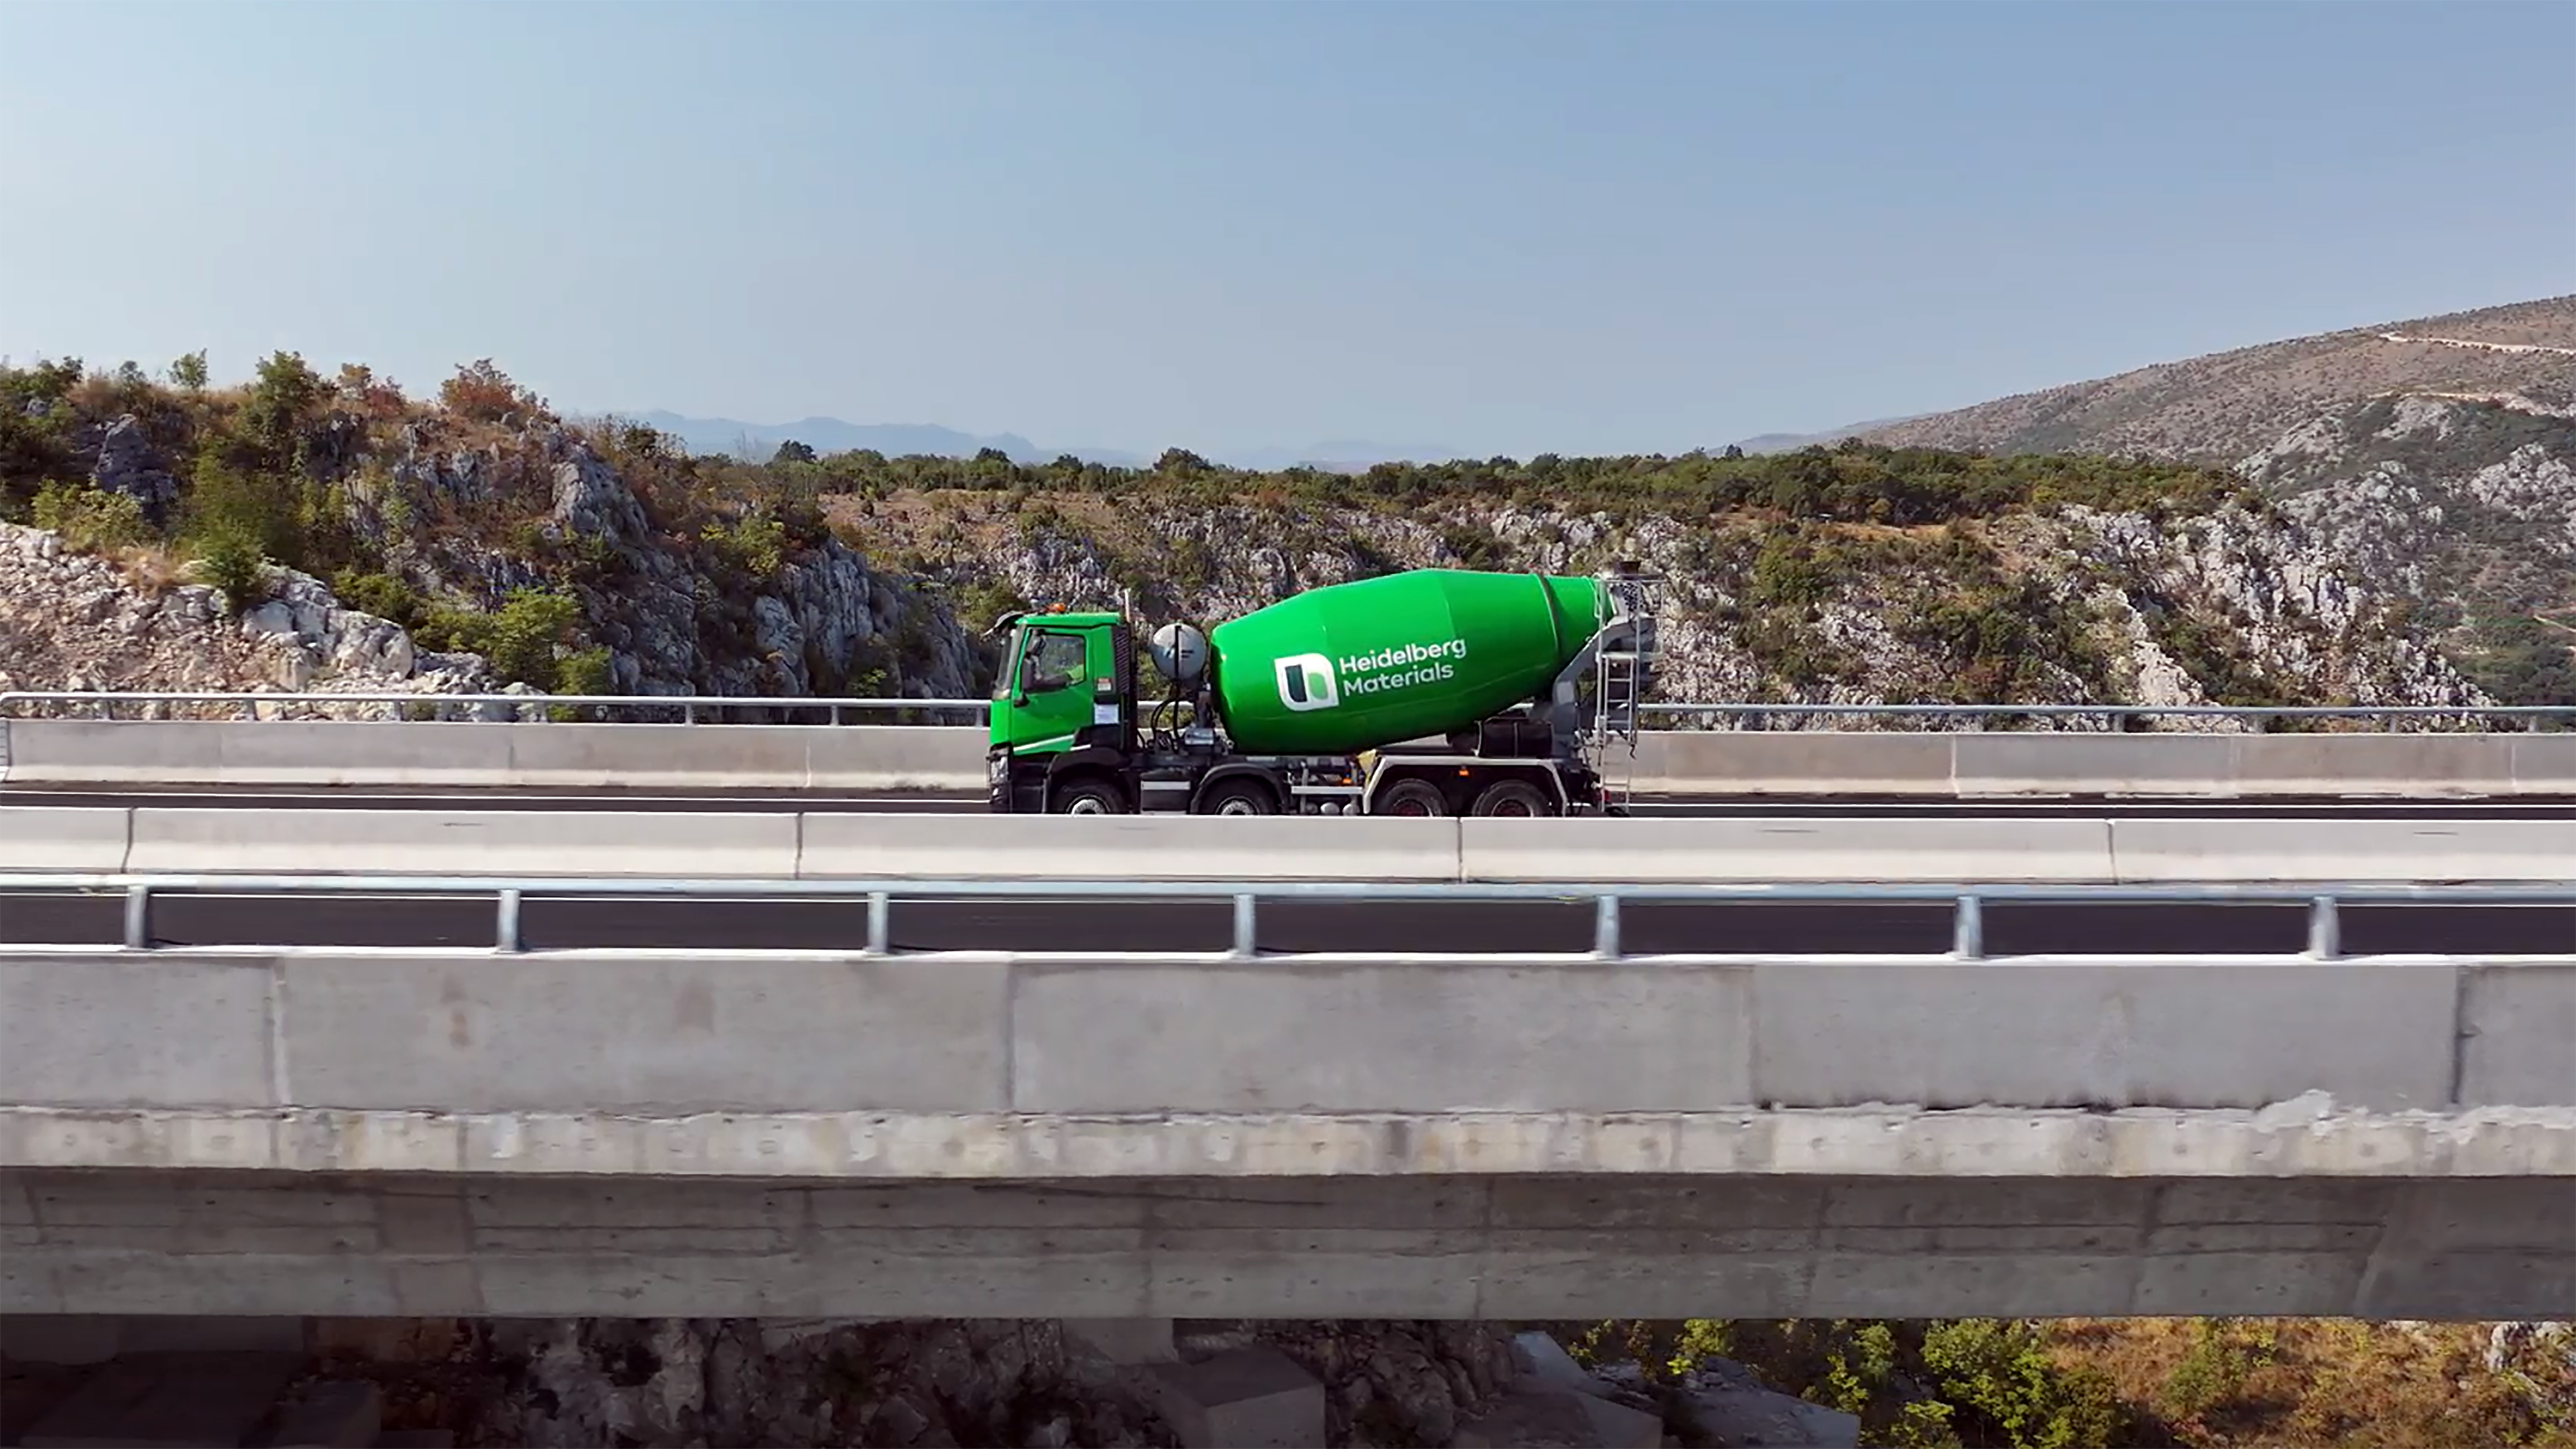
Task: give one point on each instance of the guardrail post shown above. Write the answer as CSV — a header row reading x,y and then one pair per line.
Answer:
x,y
138,918
2325,929
1968,929
1246,938
880,913
1605,927
505,933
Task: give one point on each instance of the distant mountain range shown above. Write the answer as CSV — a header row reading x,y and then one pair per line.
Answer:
x,y
895,440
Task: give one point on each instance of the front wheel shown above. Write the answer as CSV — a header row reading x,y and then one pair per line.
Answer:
x,y
1089,796
1412,797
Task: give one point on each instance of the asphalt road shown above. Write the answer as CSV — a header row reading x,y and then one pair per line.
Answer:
x,y
1731,927
377,798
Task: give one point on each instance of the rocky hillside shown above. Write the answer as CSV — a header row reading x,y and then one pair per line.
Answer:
x,y
2223,406
2433,457
304,534
298,534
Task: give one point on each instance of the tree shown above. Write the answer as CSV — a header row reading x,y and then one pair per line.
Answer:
x,y
189,372
485,394
280,399
793,451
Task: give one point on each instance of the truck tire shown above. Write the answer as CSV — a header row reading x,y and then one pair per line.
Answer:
x,y
1088,795
1513,798
1239,797
1412,797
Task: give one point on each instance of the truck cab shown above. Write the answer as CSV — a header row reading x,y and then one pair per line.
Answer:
x,y
1063,716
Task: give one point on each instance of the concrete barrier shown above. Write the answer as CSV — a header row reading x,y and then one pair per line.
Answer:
x,y
262,752
1685,763
494,755
462,843
636,757
2375,765
2545,764
91,840
896,757
852,845
1786,849
2425,852
598,1032
82,1031
1136,848
2009,765
706,1034
1786,762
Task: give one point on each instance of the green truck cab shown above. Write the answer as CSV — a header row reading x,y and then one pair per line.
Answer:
x,y
1433,692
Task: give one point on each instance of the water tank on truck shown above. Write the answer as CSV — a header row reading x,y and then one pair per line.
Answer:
x,y
1362,665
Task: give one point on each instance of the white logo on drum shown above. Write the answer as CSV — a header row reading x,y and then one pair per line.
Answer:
x,y
1306,682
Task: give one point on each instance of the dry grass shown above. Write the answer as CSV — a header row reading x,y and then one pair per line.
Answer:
x,y
152,569
2296,1383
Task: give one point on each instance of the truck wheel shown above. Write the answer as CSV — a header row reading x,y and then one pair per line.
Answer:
x,y
1412,797
1512,798
1089,796
1238,797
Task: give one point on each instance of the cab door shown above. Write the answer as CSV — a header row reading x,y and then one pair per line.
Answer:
x,y
1051,689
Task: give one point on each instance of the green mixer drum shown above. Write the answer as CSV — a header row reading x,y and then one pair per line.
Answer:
x,y
1359,665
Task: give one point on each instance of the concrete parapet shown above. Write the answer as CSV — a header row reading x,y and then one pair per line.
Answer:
x,y
2013,764
257,752
802,1032
651,1034
1132,848
1934,765
2067,1034
136,1031
2545,764
1565,1244
64,837
463,842
1786,849
2379,765
653,756
2168,851
895,757
1793,762
1398,1036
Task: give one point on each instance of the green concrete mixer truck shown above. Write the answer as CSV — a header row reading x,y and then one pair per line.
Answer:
x,y
1433,692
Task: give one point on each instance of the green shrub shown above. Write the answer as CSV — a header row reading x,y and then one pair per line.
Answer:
x,y
533,638
234,566
91,520
2000,1371
382,595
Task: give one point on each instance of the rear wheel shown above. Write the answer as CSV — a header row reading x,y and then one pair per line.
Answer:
x,y
1238,797
1412,797
1513,798
1089,795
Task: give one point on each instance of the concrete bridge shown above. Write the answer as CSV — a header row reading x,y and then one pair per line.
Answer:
x,y
789,1133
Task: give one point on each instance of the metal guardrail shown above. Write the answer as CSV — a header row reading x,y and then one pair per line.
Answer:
x,y
691,707
2323,902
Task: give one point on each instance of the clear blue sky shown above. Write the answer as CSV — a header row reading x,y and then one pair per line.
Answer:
x,y
1498,227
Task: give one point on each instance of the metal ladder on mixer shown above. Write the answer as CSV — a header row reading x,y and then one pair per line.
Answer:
x,y
1622,671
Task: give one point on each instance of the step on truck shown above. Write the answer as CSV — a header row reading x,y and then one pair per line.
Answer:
x,y
1431,692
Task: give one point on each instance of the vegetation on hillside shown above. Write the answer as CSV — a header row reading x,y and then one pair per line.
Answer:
x,y
1889,572
2208,1383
